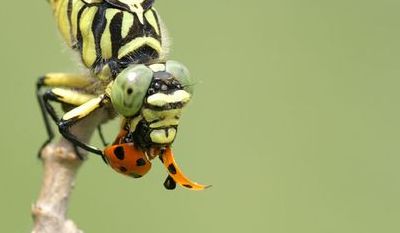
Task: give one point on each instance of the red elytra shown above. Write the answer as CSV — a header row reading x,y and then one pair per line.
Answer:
x,y
126,159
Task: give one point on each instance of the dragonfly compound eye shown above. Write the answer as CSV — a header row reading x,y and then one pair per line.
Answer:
x,y
181,73
130,88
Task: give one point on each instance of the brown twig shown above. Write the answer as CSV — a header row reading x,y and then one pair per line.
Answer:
x,y
61,164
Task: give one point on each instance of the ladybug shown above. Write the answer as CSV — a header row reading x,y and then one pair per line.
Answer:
x,y
128,159
125,158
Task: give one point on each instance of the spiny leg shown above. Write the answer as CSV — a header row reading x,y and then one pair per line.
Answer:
x,y
73,81
75,115
66,96
56,80
49,130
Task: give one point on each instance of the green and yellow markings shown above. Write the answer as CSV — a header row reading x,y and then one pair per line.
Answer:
x,y
127,22
105,41
83,110
137,43
163,136
166,122
135,7
76,7
154,115
134,122
66,80
88,41
161,99
71,97
157,67
151,18
61,14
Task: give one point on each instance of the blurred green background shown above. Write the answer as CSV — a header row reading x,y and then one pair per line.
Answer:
x,y
295,121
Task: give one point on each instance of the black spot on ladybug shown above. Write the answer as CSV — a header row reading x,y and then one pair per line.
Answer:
x,y
172,169
169,183
140,162
188,186
161,158
119,152
123,169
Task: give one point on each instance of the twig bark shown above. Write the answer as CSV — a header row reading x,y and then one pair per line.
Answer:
x,y
61,164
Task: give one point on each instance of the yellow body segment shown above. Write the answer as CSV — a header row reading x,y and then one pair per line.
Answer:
x,y
137,43
161,99
105,33
134,6
127,23
157,67
134,122
66,80
167,121
63,24
76,8
72,97
152,21
88,43
83,110
151,115
106,46
163,136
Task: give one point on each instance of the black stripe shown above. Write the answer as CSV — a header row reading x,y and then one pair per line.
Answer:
x,y
142,55
79,42
159,120
115,31
158,24
134,31
139,30
118,4
170,106
148,30
98,25
147,4
69,16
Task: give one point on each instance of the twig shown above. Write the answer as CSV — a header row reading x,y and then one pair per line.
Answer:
x,y
61,165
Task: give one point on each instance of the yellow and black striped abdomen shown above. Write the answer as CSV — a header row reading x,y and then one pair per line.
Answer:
x,y
108,36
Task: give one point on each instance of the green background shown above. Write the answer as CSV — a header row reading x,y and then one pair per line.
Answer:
x,y
295,121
